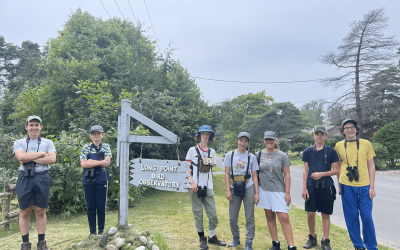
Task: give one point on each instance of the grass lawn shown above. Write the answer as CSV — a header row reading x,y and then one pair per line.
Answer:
x,y
168,216
296,160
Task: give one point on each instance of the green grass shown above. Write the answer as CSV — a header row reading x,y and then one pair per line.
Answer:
x,y
219,155
296,160
168,216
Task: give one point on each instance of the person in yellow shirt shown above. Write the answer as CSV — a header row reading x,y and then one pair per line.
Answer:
x,y
356,184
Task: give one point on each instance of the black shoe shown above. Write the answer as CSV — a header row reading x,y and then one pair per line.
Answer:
x,y
216,241
276,246
26,246
312,242
325,244
203,243
293,248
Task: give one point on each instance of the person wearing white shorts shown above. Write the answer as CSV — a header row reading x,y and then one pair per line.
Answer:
x,y
274,189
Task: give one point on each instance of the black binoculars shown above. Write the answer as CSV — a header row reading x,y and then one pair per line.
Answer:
x,y
201,192
29,168
89,172
353,173
320,182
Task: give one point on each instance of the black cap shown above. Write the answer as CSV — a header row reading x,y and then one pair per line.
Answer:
x,y
344,122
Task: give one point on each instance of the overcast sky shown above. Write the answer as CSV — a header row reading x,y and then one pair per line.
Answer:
x,y
257,41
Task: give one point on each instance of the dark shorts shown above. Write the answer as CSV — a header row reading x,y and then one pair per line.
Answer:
x,y
321,200
33,190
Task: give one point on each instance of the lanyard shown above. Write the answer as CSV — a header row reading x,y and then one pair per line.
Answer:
x,y
27,143
345,150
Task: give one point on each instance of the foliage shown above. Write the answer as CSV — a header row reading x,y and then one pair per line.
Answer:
x,y
313,111
303,137
389,137
332,142
382,155
9,165
299,147
364,52
283,145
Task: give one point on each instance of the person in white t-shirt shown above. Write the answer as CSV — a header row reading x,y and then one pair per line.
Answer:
x,y
202,160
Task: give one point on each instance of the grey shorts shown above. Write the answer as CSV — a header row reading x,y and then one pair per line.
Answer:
x,y
33,190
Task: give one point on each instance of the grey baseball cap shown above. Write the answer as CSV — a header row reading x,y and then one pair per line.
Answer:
x,y
33,117
245,134
270,134
321,128
97,128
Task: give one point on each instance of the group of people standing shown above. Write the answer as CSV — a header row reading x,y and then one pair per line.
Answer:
x,y
263,180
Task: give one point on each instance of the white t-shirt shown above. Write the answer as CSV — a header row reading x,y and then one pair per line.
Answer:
x,y
193,157
240,164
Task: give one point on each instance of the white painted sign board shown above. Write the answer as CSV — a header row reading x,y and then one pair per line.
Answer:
x,y
165,175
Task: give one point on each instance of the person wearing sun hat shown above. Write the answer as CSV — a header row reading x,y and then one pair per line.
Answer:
x,y
357,184
202,159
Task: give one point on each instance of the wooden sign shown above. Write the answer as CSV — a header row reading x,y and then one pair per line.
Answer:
x,y
165,175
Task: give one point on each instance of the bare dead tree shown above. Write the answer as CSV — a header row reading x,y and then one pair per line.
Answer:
x,y
365,51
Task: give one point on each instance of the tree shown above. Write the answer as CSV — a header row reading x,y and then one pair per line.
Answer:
x,y
313,111
389,137
365,51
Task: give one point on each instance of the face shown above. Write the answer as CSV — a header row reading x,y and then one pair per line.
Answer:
x,y
350,130
33,127
320,137
205,136
269,142
243,142
96,135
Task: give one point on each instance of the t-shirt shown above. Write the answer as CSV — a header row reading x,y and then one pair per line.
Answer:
x,y
271,170
316,163
205,179
102,172
240,164
365,153
45,146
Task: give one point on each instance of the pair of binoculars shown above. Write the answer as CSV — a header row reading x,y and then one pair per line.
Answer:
x,y
201,192
90,174
353,173
29,168
320,182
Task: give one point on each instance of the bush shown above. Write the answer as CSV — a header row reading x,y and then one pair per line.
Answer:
x,y
299,147
382,156
389,136
283,145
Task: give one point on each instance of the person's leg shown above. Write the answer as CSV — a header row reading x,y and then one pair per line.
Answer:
x,y
248,203
90,197
234,208
366,218
101,203
41,189
286,227
351,215
40,214
326,223
211,211
271,222
24,215
311,222
197,209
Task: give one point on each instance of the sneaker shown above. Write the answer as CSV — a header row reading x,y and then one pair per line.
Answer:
x,y
325,244
276,246
216,241
359,248
41,245
203,243
249,245
293,248
26,246
312,242
235,242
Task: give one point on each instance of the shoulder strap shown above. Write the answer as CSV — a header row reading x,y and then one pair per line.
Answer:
x,y
233,151
198,164
29,139
248,163
209,151
259,157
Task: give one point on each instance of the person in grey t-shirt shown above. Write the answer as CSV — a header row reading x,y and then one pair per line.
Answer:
x,y
33,185
275,189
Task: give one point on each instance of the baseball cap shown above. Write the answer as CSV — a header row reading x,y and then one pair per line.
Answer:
x,y
96,128
270,134
320,128
349,120
245,134
33,117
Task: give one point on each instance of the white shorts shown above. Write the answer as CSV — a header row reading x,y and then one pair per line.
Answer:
x,y
274,201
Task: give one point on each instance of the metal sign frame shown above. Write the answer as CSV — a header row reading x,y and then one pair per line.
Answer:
x,y
124,140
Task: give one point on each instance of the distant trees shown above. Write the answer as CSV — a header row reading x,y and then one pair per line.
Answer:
x,y
364,53
313,111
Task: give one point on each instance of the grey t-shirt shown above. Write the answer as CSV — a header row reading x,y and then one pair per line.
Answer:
x,y
45,146
271,170
240,164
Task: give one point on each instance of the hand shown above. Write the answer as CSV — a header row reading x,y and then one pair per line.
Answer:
x,y
340,193
193,186
229,196
372,193
305,194
256,199
288,199
317,175
44,154
105,163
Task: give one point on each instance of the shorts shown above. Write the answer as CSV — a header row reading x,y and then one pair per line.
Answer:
x,y
320,200
33,190
274,201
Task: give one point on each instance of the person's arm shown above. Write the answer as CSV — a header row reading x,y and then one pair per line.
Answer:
x,y
255,180
27,157
304,193
94,163
319,175
286,173
49,159
338,176
371,172
227,184
193,185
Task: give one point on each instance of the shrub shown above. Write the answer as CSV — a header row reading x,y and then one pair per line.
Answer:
x,y
382,156
389,136
299,147
283,145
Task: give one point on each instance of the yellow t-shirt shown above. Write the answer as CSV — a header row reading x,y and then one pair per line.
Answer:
x,y
365,153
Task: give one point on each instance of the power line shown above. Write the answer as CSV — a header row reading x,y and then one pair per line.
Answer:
x,y
132,11
105,9
119,9
150,20
219,80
